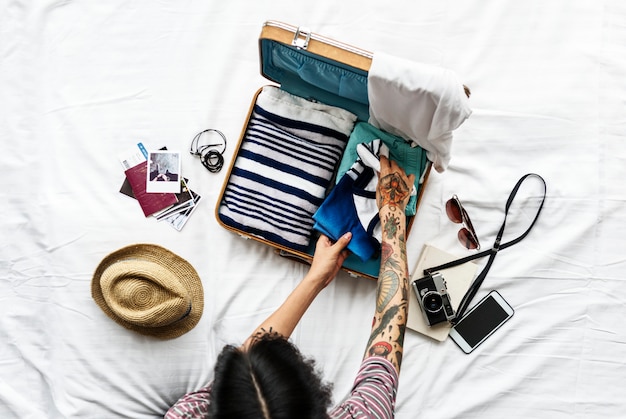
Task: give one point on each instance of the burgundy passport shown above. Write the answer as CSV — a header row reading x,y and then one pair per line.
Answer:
x,y
149,202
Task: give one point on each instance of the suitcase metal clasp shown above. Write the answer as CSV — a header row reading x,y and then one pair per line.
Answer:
x,y
301,38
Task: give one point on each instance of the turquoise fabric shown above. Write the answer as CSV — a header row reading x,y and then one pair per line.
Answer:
x,y
412,159
317,78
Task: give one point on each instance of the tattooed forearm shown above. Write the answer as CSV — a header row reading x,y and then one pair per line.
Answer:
x,y
392,190
402,248
386,318
390,226
386,251
388,285
387,337
389,324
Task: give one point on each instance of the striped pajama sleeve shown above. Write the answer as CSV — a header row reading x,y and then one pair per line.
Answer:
x,y
193,405
373,394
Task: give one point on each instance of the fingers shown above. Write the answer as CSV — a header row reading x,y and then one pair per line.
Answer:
x,y
323,241
395,167
385,164
388,166
343,240
342,244
339,245
391,166
328,258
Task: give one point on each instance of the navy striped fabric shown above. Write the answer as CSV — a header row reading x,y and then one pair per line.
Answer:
x,y
282,173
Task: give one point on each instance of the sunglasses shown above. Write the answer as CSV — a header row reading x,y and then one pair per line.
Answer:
x,y
457,214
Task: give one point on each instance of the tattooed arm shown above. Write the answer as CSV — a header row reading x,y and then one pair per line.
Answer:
x,y
389,324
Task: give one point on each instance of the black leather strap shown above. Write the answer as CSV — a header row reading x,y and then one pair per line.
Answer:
x,y
497,246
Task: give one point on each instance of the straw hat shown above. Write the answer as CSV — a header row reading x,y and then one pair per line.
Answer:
x,y
148,289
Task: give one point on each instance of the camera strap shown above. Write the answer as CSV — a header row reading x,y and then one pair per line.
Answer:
x,y
497,246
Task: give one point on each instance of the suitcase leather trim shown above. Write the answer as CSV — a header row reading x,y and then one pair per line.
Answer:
x,y
317,44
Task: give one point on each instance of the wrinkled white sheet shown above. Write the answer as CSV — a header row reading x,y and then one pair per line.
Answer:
x,y
80,82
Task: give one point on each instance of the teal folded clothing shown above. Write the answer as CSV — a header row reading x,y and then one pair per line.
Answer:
x,y
411,158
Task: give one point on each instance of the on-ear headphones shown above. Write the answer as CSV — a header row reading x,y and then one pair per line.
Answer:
x,y
210,154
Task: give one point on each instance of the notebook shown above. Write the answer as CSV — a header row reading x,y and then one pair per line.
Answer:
x,y
458,280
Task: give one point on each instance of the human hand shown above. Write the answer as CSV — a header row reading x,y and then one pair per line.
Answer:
x,y
394,186
327,260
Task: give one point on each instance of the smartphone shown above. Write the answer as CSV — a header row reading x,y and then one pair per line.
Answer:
x,y
481,321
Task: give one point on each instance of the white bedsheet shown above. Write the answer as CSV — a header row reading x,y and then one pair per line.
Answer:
x,y
81,82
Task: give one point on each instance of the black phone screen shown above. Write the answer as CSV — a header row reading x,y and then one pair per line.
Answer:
x,y
478,323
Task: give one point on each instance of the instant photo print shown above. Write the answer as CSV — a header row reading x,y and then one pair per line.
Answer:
x,y
164,168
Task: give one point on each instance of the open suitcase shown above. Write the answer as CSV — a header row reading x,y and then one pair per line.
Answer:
x,y
317,70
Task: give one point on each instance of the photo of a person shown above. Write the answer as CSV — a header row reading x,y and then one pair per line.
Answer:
x,y
163,172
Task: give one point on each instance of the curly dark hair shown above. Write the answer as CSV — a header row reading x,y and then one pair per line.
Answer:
x,y
271,380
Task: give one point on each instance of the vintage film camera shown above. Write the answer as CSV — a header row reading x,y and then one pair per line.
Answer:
x,y
432,294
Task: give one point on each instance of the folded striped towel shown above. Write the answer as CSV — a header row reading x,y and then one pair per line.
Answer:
x,y
284,167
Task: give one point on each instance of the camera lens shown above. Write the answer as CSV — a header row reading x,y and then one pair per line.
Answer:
x,y
432,301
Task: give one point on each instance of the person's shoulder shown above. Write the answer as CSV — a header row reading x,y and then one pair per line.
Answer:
x,y
192,405
374,391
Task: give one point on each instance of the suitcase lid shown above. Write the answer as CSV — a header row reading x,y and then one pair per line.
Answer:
x,y
315,67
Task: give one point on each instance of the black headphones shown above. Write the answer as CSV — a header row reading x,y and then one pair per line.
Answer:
x,y
210,154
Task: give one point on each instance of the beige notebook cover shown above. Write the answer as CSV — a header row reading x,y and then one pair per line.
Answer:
x,y
458,280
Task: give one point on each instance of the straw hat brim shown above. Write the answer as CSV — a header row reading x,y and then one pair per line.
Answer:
x,y
166,259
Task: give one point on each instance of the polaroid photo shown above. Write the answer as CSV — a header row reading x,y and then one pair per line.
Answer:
x,y
164,169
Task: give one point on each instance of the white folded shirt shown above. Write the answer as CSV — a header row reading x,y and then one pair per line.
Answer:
x,y
419,102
